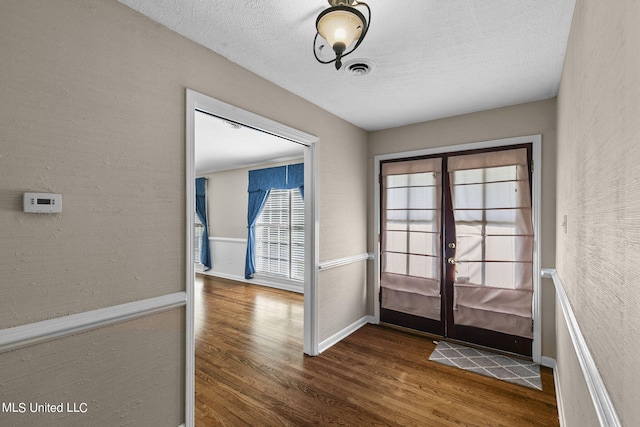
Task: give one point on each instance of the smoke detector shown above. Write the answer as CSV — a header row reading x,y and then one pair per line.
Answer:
x,y
359,67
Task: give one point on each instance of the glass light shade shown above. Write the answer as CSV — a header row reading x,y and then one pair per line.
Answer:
x,y
340,26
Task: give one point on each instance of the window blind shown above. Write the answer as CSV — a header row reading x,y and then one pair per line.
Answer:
x,y
197,241
280,235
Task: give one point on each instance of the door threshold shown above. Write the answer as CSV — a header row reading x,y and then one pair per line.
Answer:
x,y
412,331
435,338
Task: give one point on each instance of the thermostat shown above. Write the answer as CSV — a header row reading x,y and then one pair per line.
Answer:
x,y
42,203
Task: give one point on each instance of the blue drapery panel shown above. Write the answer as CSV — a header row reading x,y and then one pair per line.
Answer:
x,y
201,211
261,181
295,177
256,203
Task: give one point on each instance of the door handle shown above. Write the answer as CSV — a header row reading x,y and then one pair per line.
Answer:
x,y
451,260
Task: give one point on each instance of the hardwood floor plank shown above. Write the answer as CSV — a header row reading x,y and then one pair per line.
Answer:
x,y
250,370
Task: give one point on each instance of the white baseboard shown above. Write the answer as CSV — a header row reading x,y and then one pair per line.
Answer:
x,y
339,336
605,410
228,258
548,362
260,281
556,383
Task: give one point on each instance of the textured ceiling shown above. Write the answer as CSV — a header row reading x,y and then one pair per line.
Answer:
x,y
433,58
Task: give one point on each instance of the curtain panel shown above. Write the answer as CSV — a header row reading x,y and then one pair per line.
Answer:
x,y
411,216
494,241
261,181
201,211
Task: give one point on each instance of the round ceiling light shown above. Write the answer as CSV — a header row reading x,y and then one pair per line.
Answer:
x,y
343,27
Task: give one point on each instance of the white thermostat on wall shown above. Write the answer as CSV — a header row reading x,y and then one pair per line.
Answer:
x,y
42,202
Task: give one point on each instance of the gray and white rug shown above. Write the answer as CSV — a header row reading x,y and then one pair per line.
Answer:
x,y
492,365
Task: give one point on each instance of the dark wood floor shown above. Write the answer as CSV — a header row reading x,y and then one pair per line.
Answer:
x,y
250,370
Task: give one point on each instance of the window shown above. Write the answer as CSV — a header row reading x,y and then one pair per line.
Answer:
x,y
280,235
197,240
412,214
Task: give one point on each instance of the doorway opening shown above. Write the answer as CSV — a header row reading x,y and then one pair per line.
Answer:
x,y
199,103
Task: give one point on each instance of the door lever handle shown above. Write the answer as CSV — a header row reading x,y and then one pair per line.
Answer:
x,y
451,261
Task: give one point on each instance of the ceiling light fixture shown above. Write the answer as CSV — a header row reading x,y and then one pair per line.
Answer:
x,y
341,26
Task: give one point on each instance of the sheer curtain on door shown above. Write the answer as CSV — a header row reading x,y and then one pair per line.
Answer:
x,y
491,200
411,261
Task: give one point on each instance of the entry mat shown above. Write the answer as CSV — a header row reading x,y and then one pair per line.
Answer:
x,y
491,365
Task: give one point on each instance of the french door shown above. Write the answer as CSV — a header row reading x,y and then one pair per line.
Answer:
x,y
457,246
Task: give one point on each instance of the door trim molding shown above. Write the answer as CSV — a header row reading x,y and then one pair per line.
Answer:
x,y
536,197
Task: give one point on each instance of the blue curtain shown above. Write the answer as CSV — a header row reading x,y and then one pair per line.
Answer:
x,y
201,211
261,181
256,203
295,177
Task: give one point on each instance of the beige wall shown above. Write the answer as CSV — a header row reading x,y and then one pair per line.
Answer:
x,y
599,192
342,191
525,119
93,99
227,200
123,373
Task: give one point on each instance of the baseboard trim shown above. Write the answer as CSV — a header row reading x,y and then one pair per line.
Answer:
x,y
605,410
556,383
548,362
339,336
38,332
344,261
260,281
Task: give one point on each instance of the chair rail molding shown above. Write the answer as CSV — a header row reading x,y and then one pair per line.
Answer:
x,y
339,262
607,414
38,332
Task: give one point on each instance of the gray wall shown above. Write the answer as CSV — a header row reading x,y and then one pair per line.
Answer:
x,y
599,192
525,119
93,107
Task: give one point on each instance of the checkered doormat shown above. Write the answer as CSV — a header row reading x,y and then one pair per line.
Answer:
x,y
488,364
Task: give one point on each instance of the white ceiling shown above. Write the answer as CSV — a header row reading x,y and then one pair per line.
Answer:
x,y
221,146
432,58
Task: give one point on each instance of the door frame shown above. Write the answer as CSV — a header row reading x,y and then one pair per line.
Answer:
x,y
536,199
196,100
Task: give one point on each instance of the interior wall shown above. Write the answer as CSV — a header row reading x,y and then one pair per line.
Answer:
x,y
115,375
342,199
227,199
599,195
94,108
525,119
